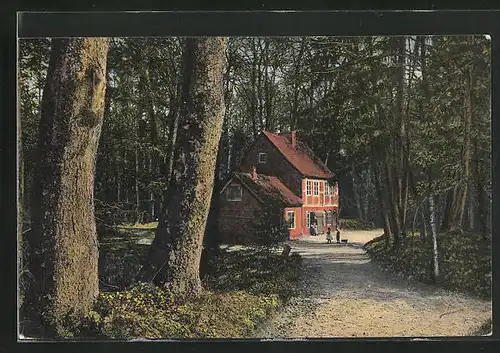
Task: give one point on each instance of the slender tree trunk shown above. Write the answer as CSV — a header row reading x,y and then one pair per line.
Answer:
x,y
394,213
64,242
456,206
174,257
381,198
433,224
253,98
479,186
20,201
357,199
136,184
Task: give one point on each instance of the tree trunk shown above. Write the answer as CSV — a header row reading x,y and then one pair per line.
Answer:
x,y
435,254
382,203
136,184
357,199
456,206
394,212
174,256
64,242
20,201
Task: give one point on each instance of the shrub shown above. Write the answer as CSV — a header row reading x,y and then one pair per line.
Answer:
x,y
355,224
150,312
464,260
269,227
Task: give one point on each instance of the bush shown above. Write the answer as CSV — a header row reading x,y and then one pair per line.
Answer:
x,y
150,312
354,224
464,260
269,228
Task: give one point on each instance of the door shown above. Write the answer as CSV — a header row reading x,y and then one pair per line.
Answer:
x,y
320,221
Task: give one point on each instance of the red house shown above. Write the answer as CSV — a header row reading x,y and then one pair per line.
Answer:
x,y
284,168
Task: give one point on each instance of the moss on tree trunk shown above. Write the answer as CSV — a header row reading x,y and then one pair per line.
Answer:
x,y
63,246
174,257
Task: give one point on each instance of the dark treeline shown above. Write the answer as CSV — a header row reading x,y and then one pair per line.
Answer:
x,y
143,129
403,121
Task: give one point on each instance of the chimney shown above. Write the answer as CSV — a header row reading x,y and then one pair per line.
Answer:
x,y
254,173
293,139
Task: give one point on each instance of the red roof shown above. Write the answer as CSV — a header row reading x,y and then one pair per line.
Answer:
x,y
301,157
269,186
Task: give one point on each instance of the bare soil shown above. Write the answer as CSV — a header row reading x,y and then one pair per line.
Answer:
x,y
344,294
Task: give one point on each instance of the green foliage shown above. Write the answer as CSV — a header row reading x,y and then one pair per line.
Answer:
x,y
464,260
355,224
254,271
269,227
244,288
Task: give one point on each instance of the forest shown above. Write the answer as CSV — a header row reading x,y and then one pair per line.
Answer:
x,y
122,134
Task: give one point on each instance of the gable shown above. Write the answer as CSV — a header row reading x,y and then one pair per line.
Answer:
x,y
276,163
263,189
301,157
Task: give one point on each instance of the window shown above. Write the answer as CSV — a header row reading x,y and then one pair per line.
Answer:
x,y
290,217
308,219
234,193
262,157
316,188
308,187
327,189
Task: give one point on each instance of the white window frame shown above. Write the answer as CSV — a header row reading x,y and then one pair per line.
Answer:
x,y
308,219
327,188
315,188
308,187
241,193
288,219
262,160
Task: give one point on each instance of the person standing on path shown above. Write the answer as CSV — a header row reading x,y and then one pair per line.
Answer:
x,y
338,235
329,236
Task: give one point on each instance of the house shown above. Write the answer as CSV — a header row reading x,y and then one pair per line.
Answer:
x,y
282,168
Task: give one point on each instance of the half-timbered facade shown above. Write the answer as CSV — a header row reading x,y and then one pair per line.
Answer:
x,y
287,163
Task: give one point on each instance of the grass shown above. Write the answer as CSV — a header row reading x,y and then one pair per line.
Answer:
x,y
464,261
120,257
242,289
152,312
151,225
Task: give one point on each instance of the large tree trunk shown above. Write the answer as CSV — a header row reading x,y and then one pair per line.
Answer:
x,y
64,241
174,257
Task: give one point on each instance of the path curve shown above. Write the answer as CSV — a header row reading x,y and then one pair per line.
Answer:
x,y
344,294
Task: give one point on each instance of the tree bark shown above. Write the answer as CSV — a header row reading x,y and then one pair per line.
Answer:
x,y
435,253
382,204
357,199
64,241
174,256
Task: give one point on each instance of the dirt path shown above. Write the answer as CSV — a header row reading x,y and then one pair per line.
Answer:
x,y
343,294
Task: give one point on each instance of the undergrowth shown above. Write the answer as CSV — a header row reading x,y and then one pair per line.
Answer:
x,y
242,288
355,224
464,261
150,312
